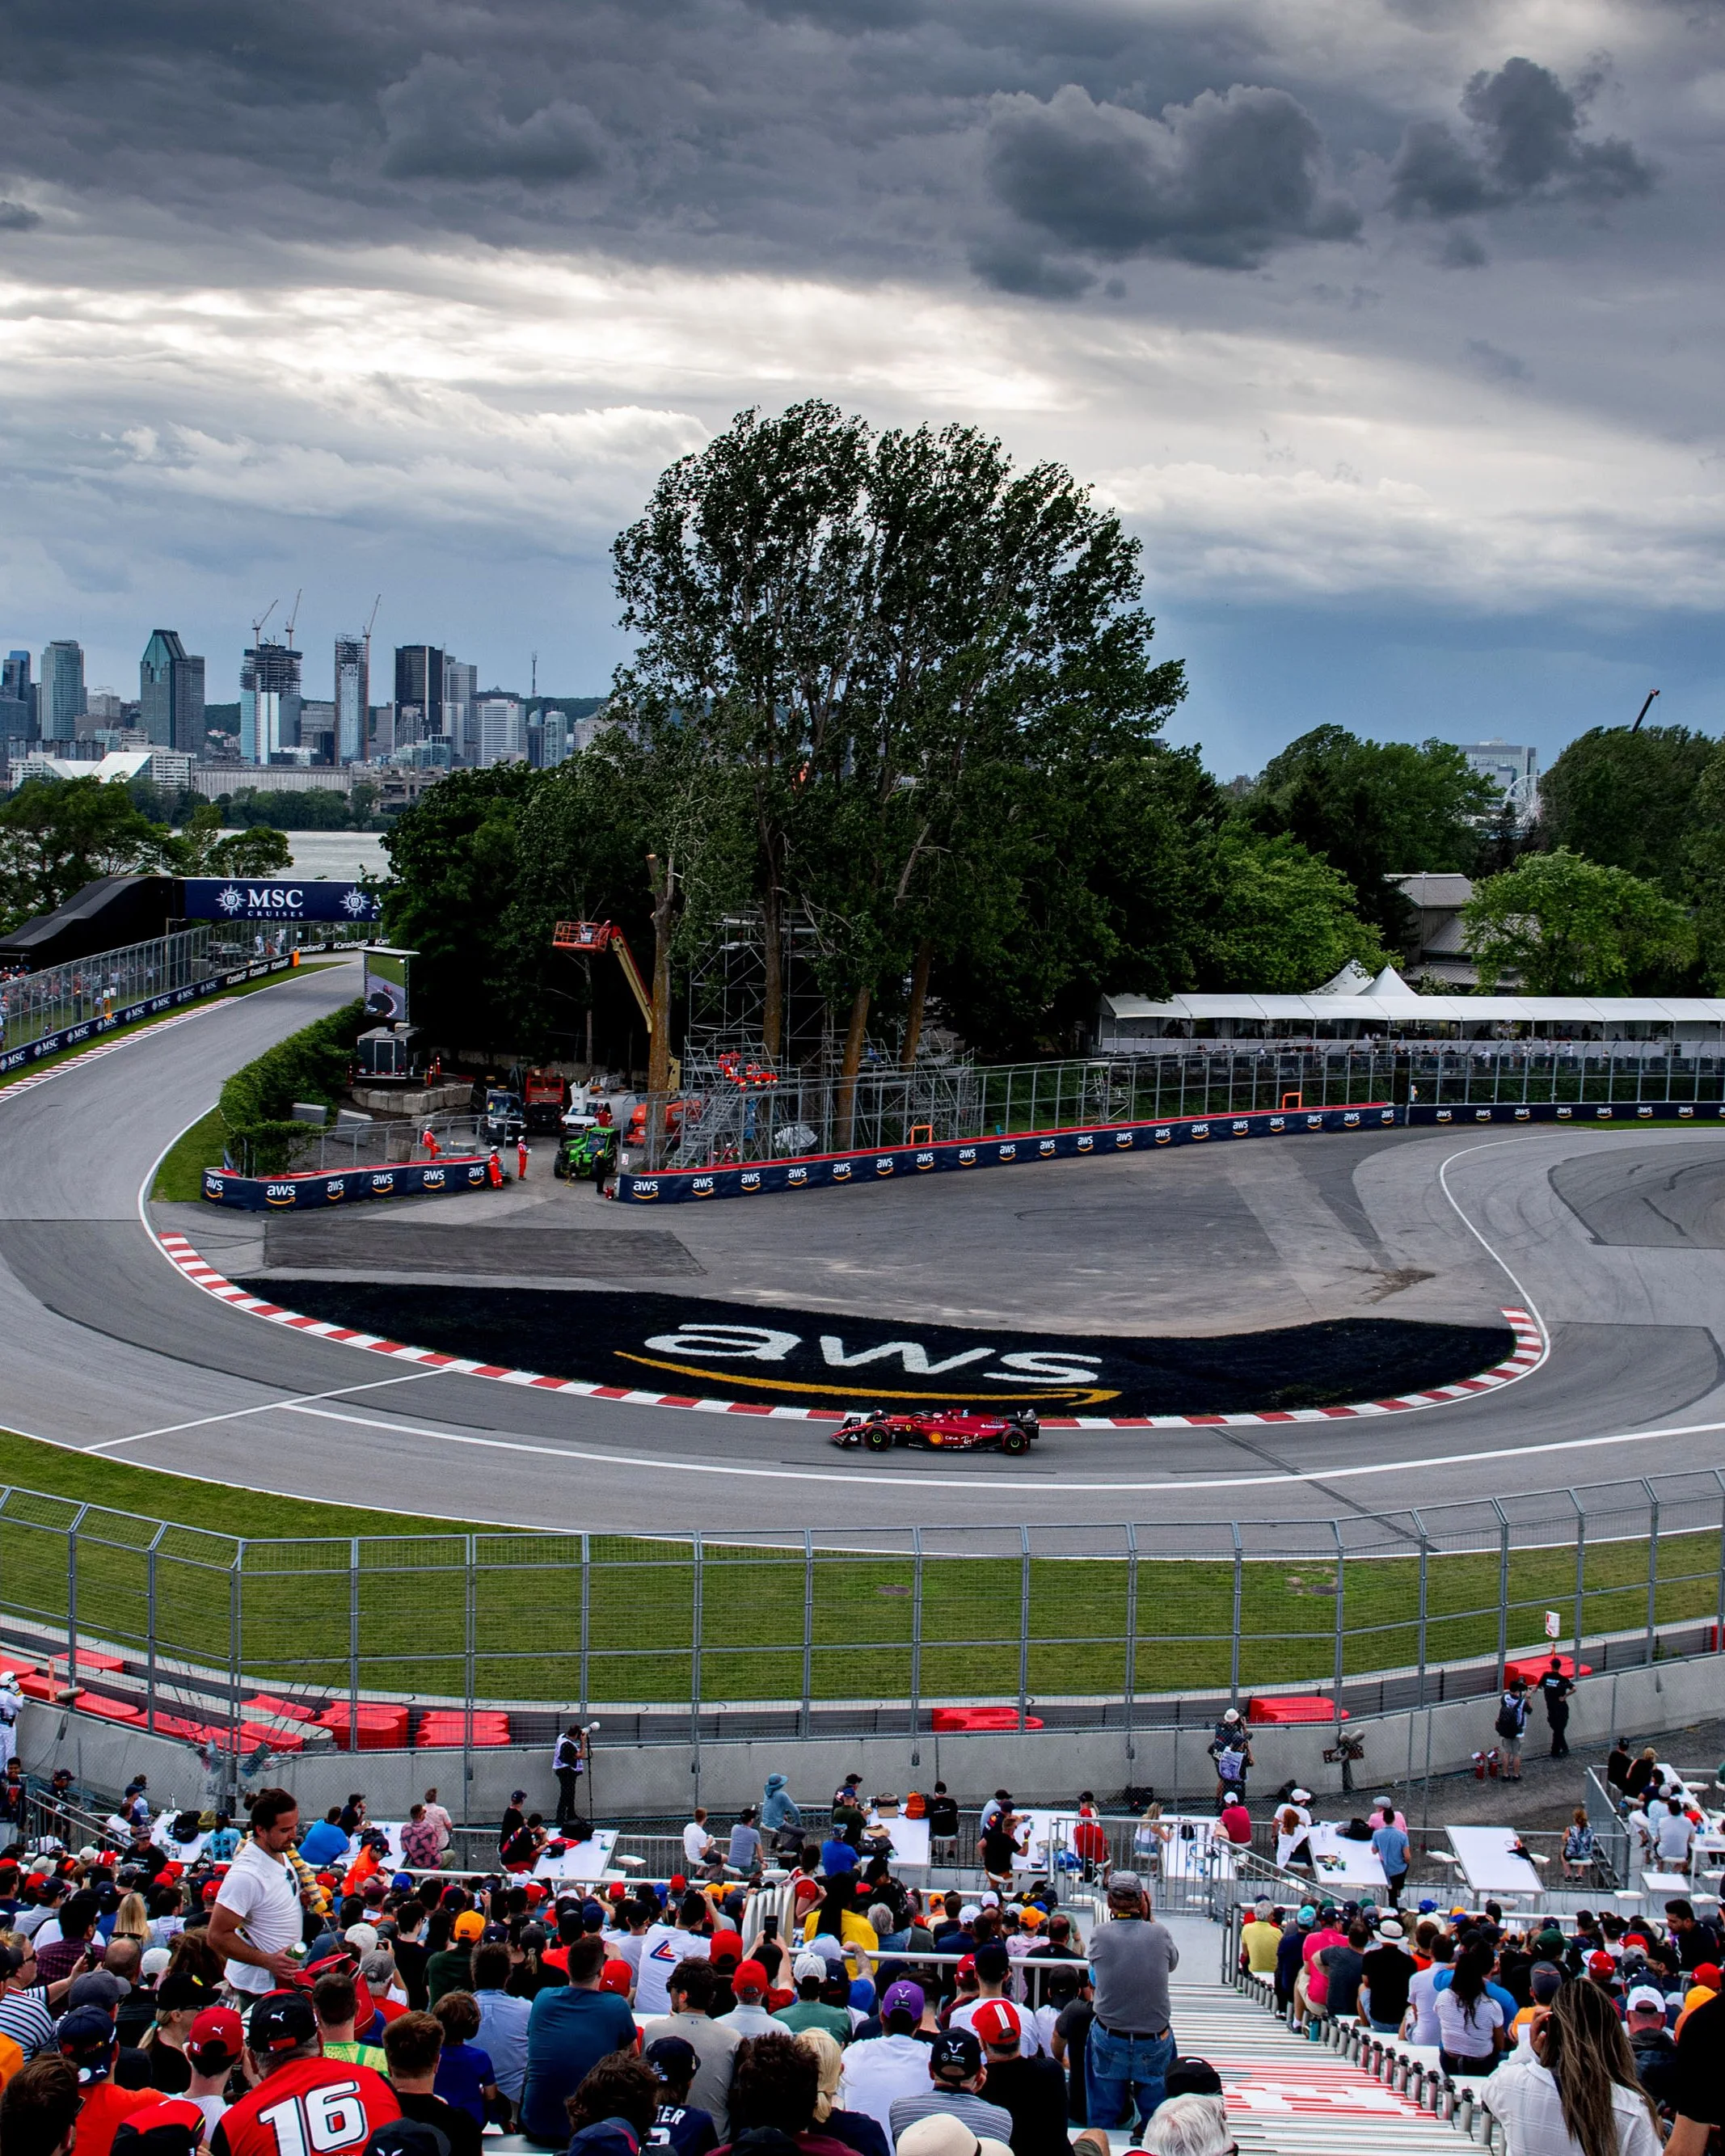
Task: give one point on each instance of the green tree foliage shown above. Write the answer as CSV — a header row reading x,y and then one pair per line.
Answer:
x,y
198,849
1278,919
1628,800
57,834
316,808
1374,810
1568,926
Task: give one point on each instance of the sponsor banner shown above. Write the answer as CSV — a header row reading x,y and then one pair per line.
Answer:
x,y
902,1164
93,1028
242,898
1465,1115
319,1190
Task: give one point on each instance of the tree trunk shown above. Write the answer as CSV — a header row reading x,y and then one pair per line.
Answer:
x,y
919,1001
854,1037
773,947
662,881
587,968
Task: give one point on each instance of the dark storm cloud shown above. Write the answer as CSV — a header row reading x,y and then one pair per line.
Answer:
x,y
439,123
1221,181
1526,143
17,217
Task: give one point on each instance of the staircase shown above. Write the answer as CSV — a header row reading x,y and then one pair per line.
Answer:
x,y
1287,2096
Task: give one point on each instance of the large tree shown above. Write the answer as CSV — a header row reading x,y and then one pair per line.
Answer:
x,y
1627,799
57,834
1277,919
1374,810
1567,926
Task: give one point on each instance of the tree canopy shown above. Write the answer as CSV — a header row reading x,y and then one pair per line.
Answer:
x,y
1568,926
1627,800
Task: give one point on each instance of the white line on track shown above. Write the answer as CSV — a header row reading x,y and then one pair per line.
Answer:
x,y
267,1407
661,1462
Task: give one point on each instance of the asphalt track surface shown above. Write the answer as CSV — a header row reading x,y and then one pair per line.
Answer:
x,y
1614,1239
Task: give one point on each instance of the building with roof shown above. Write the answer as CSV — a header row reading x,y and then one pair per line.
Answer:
x,y
1354,1007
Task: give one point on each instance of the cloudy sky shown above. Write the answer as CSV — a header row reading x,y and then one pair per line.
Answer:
x,y
1386,323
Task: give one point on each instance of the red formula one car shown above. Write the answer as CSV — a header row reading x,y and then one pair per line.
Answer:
x,y
936,1429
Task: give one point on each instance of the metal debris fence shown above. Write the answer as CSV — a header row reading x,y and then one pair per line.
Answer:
x,y
716,1121
693,1640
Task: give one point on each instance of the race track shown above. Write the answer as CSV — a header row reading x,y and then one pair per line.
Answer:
x,y
1615,1240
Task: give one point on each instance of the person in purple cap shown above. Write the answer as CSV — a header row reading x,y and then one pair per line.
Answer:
x,y
893,2064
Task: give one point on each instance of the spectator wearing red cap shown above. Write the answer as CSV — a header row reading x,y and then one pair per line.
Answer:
x,y
750,2016
1706,1986
336,2106
994,1966
1032,2088
714,2042
213,2047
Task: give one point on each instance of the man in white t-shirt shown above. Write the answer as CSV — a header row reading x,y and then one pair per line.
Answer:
x,y
1672,1836
699,1851
662,1949
993,1967
257,1916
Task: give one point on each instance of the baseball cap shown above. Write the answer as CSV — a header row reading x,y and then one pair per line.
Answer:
x,y
749,1976
808,1965
98,1988
1707,1973
174,2125
996,2021
363,1937
217,2028
1600,1964
279,2021
955,2055
1389,1929
1193,2077
1644,1999
722,1943
1300,1796
88,2038
968,1914
902,1997
672,2058
1545,1981
468,1925
176,1993
617,1976
945,2135
1125,1883
992,1961
154,1961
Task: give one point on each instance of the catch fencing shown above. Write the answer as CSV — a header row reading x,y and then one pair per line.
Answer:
x,y
695,1640
728,1113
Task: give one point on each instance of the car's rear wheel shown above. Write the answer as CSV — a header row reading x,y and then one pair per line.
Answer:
x,y
878,1439
1014,1440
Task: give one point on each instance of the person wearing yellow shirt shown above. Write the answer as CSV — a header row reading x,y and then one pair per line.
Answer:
x,y
1259,1940
837,1914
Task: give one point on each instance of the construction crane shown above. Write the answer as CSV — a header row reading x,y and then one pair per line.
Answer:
x,y
1644,710
294,615
258,624
587,939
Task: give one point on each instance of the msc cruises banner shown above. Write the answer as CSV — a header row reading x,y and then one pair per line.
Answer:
x,y
837,1171
245,898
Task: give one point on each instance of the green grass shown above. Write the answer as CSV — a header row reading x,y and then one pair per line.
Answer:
x,y
143,1024
179,1180
296,1610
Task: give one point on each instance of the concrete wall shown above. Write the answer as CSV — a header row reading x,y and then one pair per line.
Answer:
x,y
1036,1765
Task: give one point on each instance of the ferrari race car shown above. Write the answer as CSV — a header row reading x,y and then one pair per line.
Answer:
x,y
935,1429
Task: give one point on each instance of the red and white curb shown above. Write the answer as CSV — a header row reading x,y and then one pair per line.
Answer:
x,y
1531,1349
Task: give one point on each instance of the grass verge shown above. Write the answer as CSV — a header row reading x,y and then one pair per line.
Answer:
x,y
179,1180
297,1611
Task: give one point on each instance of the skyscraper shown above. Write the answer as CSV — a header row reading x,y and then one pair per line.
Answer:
x,y
460,687
59,702
418,691
503,734
171,694
353,694
18,700
269,702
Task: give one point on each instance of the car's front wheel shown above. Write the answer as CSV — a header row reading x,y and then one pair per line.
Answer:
x,y
878,1439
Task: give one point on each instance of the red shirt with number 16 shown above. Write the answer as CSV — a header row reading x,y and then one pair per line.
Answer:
x,y
310,2107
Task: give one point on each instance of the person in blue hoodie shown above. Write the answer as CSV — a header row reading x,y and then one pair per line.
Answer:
x,y
780,1821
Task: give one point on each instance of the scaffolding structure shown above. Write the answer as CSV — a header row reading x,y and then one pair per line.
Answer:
x,y
728,998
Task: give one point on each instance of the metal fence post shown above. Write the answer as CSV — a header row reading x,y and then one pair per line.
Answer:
x,y
1580,1576
1652,1570
1340,1599
150,1649
807,1723
916,1642
696,1552
353,1645
1132,1635
1239,1583
469,1653
586,1620
1425,1557
1719,1612
78,1518
1503,1586
1024,1624
236,1661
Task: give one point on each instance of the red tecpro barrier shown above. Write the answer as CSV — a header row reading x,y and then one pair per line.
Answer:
x,y
381,1728
1530,1668
445,1729
1296,1706
951,1719
287,1710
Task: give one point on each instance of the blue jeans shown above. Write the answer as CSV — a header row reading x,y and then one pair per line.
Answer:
x,y
1117,2070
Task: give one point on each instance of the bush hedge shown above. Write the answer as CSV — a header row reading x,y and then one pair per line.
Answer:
x,y
311,1065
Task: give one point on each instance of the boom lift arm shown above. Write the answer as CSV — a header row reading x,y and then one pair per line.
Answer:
x,y
587,938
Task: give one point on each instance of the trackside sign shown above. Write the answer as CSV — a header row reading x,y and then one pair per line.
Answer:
x,y
242,898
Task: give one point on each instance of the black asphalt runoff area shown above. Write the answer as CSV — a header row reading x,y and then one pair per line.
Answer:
x,y
680,1345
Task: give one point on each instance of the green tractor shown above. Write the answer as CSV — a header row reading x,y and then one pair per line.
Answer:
x,y
583,1149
